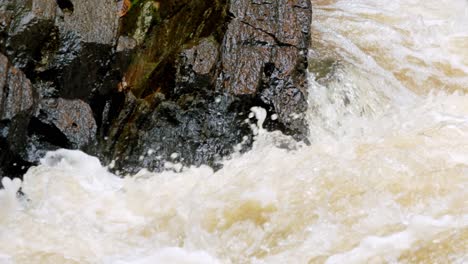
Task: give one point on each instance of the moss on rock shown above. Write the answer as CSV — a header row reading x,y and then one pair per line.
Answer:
x,y
162,30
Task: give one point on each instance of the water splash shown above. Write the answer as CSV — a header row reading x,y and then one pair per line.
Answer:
x,y
384,179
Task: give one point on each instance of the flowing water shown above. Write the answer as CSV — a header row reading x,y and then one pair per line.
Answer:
x,y
385,179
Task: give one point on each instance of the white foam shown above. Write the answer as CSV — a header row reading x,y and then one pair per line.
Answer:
x,y
168,255
385,176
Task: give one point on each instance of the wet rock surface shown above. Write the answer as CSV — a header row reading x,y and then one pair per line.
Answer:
x,y
135,85
254,55
16,95
16,105
69,43
197,128
57,59
265,54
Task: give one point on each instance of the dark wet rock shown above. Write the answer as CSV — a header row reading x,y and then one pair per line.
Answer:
x,y
196,67
28,30
168,77
73,118
32,122
82,70
70,43
16,95
199,128
59,123
202,57
66,50
16,107
192,98
6,14
82,65
265,54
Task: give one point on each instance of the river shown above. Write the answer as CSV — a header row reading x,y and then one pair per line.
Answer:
x,y
384,180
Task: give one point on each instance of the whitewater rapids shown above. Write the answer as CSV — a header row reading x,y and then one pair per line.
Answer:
x,y
385,179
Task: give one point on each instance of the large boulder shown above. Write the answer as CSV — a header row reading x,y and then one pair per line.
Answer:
x,y
58,60
140,82
189,102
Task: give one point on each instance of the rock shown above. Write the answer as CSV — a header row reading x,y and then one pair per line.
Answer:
x,y
65,52
67,42
265,53
202,57
59,123
196,66
87,34
193,97
199,128
126,43
6,14
157,28
175,78
16,107
73,118
95,21
16,95
31,122
28,31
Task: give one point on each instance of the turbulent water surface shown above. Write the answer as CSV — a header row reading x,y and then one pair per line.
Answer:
x,y
383,181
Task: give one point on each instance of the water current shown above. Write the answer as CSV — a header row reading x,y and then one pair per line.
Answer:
x,y
384,180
